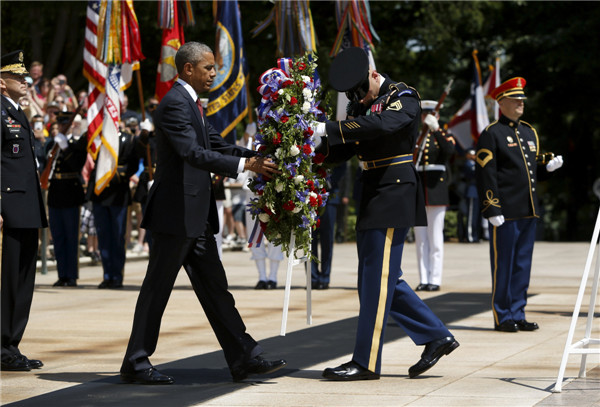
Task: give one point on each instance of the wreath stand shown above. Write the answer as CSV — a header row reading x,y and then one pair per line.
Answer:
x,y
582,346
293,261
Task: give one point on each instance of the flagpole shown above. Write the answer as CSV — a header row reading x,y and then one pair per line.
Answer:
x,y
142,104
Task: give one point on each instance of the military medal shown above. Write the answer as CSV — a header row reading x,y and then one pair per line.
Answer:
x,y
15,149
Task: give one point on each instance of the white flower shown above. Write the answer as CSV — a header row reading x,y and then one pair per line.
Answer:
x,y
294,151
305,107
314,195
297,209
298,179
280,91
279,153
306,79
264,218
288,97
278,187
308,95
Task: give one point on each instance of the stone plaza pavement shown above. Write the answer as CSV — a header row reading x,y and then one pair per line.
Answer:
x,y
81,333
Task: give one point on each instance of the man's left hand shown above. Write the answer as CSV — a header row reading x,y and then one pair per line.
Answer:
x,y
260,165
555,163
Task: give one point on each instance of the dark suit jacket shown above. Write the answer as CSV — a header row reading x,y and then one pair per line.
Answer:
x,y
181,200
21,204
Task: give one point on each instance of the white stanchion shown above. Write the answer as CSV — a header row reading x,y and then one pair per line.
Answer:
x,y
582,346
293,261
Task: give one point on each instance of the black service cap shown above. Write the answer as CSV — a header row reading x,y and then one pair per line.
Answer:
x,y
64,117
349,70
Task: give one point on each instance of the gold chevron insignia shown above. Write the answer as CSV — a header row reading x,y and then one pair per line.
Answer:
x,y
397,105
484,156
352,125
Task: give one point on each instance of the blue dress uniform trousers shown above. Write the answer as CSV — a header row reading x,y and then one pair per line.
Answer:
x,y
511,250
111,222
64,227
382,292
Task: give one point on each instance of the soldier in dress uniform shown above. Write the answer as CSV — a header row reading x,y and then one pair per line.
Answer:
x,y
381,130
22,213
65,197
110,212
433,154
507,176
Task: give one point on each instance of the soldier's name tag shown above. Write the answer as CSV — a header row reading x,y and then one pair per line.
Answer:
x,y
531,145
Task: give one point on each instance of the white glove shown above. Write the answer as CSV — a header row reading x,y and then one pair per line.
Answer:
x,y
150,184
146,125
432,122
555,163
497,220
319,129
251,129
62,142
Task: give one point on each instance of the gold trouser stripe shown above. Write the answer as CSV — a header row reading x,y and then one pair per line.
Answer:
x,y
385,271
494,272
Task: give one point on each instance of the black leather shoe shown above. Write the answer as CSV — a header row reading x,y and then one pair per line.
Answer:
x,y
148,376
261,285
507,326
33,363
271,285
257,365
104,284
421,287
526,326
348,372
432,287
433,352
16,364
115,284
71,282
59,283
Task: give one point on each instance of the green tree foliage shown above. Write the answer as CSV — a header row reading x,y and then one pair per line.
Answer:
x,y
553,45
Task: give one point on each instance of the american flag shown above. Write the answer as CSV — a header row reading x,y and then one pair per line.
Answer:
x,y
95,72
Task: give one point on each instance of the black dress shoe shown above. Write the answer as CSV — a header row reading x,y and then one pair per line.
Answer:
x,y
60,283
261,285
507,326
433,352
115,284
71,282
148,376
526,326
257,365
271,285
104,284
432,287
16,364
421,287
33,363
348,372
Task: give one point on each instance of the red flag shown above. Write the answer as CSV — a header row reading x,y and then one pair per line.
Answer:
x,y
172,39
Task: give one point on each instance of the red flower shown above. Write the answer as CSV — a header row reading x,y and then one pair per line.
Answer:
x,y
287,83
318,224
260,192
310,184
274,96
301,66
318,159
284,119
307,149
262,148
289,206
313,201
301,84
320,200
293,101
277,139
322,172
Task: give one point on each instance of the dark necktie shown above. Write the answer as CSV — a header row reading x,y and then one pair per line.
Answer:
x,y
199,104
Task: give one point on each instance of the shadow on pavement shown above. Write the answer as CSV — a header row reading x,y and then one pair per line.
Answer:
x,y
195,383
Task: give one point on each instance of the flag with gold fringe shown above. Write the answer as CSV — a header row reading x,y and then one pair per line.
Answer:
x,y
112,51
354,26
294,24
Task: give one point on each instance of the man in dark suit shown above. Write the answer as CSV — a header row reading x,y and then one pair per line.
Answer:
x,y
182,215
381,130
22,213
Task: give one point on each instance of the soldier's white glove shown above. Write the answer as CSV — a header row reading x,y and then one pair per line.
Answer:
x,y
432,122
497,220
251,129
555,163
61,140
146,125
150,184
319,132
